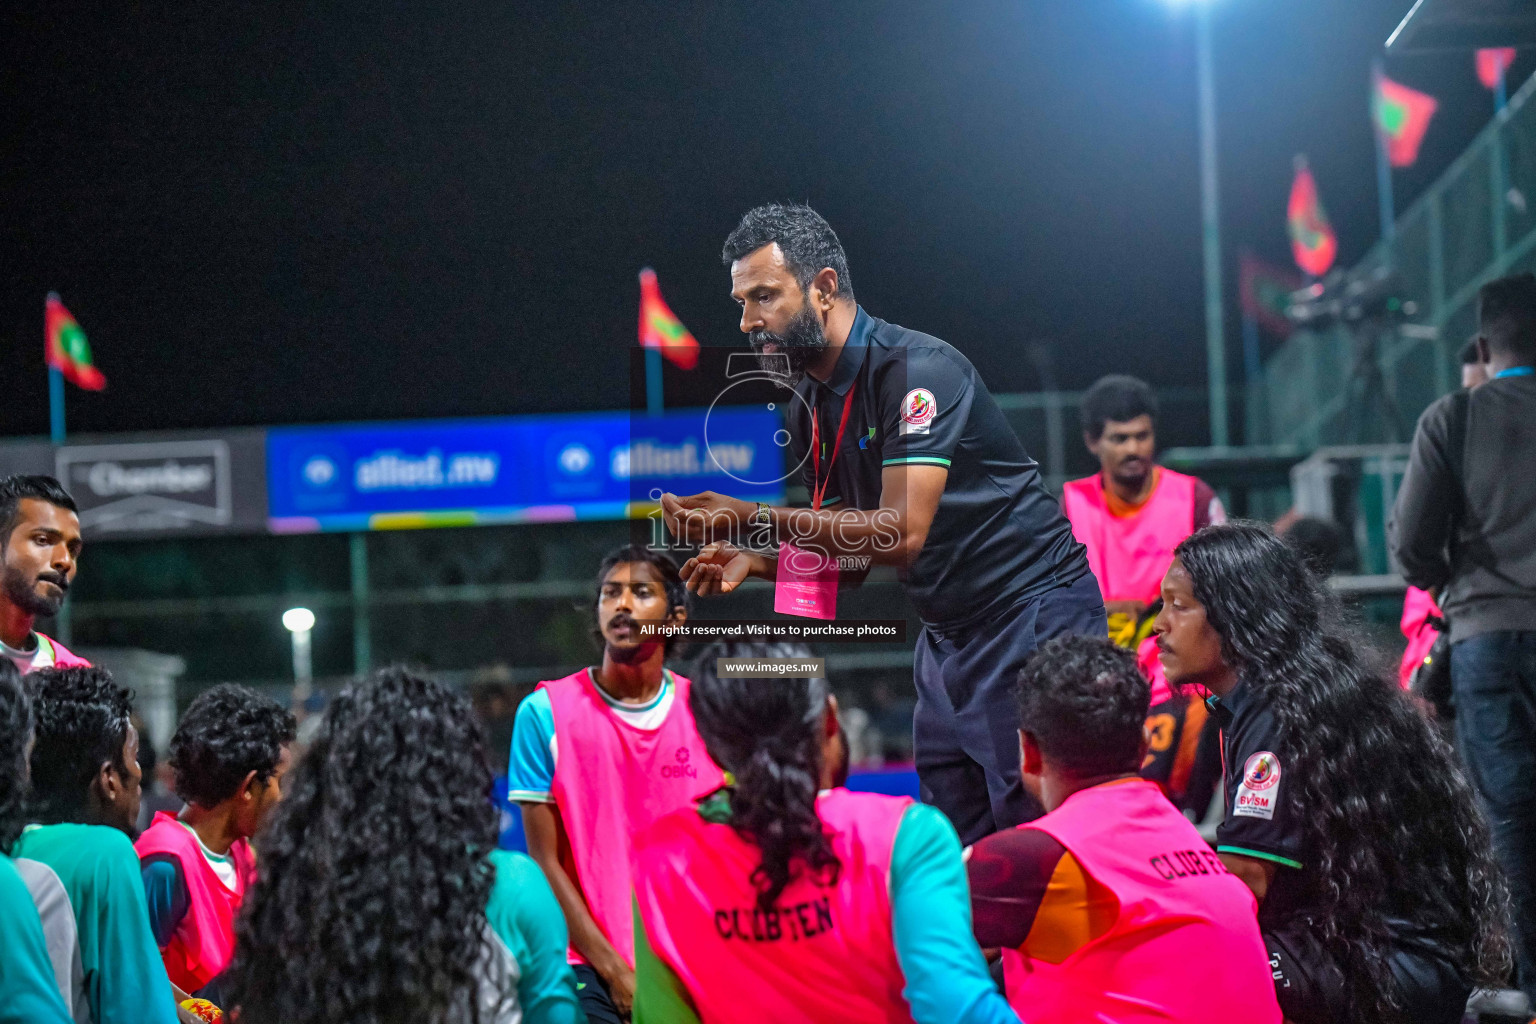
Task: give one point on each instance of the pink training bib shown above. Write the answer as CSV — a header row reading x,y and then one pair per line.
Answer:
x,y
1185,946
824,953
61,657
1130,554
205,939
1418,606
612,780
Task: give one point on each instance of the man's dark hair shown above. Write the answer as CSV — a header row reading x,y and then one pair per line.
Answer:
x,y
1506,315
1319,542
227,733
1085,703
768,736
1116,397
15,730
14,488
82,723
1469,355
808,242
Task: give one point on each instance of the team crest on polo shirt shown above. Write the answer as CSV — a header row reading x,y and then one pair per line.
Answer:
x,y
1260,787
917,411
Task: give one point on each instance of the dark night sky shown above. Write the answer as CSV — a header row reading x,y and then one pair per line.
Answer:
x,y
406,210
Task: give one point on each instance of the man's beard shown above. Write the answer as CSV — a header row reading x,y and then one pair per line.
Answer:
x,y
1133,472
22,592
802,341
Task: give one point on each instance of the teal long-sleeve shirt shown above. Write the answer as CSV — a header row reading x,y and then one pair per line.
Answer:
x,y
946,975
30,990
125,980
524,915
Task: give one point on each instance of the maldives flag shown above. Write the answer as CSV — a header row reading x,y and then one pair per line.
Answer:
x,y
1313,242
1402,118
660,328
66,349
1492,63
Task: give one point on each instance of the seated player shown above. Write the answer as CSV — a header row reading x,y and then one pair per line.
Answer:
x,y
85,797
39,551
599,755
1379,899
229,754
32,993
381,895
768,901
1130,515
1093,902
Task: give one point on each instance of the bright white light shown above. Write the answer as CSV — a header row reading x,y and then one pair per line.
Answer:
x,y
298,620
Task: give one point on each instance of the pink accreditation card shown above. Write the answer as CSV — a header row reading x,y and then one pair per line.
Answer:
x,y
806,583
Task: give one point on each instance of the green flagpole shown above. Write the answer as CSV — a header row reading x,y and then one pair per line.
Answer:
x,y
654,405
56,405
1385,207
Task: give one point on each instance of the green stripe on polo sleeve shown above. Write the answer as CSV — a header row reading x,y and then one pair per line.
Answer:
x,y
1275,857
918,460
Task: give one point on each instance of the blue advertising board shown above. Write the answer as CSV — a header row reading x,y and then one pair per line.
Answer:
x,y
516,469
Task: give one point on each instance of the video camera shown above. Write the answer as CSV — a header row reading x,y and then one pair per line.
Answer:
x,y
1373,294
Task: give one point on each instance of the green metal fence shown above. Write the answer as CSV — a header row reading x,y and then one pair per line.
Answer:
x,y
1476,223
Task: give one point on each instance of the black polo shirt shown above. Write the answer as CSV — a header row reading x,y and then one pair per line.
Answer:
x,y
998,537
1259,821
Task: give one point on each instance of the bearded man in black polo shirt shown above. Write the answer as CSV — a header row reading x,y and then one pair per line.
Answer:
x,y
909,463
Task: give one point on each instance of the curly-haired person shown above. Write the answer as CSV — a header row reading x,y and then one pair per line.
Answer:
x,y
84,801
1379,899
229,753
382,898
1092,902
32,994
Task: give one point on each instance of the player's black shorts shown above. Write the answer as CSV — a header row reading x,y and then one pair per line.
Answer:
x,y
1309,983
596,1003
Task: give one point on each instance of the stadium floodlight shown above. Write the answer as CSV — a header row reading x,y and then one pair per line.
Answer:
x,y
298,622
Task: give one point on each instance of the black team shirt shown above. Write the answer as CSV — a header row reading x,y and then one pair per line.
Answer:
x,y
999,537
1260,822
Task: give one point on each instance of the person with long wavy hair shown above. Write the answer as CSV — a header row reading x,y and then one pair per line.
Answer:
x,y
27,977
381,898
1379,899
780,897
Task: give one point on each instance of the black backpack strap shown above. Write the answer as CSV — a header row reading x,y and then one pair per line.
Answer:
x,y
1456,449
1456,442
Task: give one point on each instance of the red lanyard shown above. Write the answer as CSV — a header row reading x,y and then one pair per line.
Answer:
x,y
819,489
